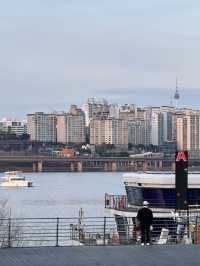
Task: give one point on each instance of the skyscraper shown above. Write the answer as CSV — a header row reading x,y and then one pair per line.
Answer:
x,y
71,126
42,127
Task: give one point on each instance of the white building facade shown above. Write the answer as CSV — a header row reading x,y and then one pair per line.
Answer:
x,y
42,127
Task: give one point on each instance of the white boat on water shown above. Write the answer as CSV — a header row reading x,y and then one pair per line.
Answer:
x,y
15,179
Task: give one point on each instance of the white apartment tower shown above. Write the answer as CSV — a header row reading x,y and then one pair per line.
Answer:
x,y
108,131
94,106
116,131
71,126
41,127
188,131
13,126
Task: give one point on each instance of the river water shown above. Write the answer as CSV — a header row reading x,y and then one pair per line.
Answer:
x,y
62,194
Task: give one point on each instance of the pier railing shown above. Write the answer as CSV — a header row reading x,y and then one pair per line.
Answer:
x,y
28,232
118,202
91,231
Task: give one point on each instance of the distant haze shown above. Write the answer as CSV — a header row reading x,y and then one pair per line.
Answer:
x,y
54,53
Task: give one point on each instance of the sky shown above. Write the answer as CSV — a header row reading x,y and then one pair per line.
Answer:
x,y
57,53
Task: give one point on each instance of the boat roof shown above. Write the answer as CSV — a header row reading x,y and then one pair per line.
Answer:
x,y
157,179
12,172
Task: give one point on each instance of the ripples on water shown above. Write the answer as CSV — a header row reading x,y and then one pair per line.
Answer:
x,y
62,194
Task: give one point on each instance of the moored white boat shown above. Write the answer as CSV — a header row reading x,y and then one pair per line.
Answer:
x,y
15,179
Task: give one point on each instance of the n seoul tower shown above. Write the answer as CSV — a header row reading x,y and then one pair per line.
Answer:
x,y
176,95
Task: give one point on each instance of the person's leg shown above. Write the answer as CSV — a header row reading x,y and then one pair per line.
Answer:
x,y
142,228
148,234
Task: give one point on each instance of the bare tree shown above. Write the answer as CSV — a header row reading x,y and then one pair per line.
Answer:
x,y
9,231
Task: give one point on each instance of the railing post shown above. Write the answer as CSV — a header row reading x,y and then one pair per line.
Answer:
x,y
196,231
104,231
57,232
9,232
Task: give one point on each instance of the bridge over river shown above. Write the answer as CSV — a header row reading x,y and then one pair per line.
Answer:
x,y
79,164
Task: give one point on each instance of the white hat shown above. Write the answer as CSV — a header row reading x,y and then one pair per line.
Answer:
x,y
145,203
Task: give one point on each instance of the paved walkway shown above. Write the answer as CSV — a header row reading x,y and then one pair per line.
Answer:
x,y
102,256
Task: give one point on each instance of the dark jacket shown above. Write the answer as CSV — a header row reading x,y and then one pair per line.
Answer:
x,y
145,216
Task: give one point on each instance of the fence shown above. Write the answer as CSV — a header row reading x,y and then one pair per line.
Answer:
x,y
118,202
93,231
55,231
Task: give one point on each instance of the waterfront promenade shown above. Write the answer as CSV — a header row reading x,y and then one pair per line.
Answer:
x,y
179,255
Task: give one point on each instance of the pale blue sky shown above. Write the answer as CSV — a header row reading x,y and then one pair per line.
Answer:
x,y
53,53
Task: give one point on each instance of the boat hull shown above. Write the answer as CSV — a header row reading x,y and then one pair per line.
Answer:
x,y
17,184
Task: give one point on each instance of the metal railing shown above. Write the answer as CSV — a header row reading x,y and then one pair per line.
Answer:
x,y
55,231
30,232
118,202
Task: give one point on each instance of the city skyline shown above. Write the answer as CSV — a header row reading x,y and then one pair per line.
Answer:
x,y
57,53
143,98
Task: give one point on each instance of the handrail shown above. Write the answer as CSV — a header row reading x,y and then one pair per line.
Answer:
x,y
26,232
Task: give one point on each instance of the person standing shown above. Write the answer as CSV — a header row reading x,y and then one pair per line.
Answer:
x,y
145,218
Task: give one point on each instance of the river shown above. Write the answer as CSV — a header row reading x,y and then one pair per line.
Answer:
x,y
62,194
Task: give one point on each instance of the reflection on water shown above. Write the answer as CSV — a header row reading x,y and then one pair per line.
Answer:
x,y
62,194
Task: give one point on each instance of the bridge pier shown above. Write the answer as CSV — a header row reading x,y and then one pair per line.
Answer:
x,y
34,167
80,166
160,165
40,166
135,166
145,166
114,167
72,168
131,166
156,165
105,167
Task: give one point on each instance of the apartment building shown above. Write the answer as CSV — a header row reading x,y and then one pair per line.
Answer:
x,y
108,131
188,130
14,126
42,127
71,126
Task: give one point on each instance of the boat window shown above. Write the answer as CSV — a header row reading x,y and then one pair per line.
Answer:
x,y
159,197
166,197
134,195
194,196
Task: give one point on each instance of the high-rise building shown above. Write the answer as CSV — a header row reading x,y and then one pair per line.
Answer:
x,y
97,130
42,127
157,128
136,123
168,126
136,132
95,106
116,131
71,126
114,110
160,125
128,112
108,131
13,126
188,130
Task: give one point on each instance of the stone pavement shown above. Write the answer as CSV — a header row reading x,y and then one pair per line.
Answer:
x,y
174,255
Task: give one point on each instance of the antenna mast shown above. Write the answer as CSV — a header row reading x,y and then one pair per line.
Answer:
x,y
176,95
